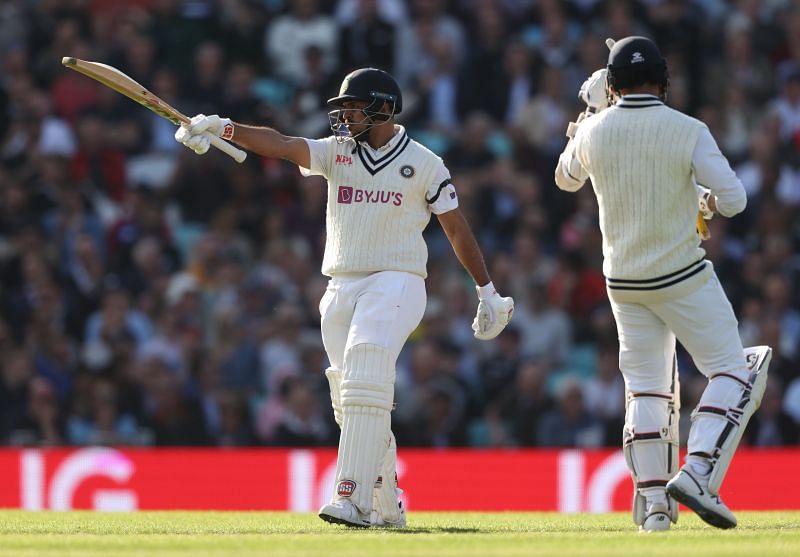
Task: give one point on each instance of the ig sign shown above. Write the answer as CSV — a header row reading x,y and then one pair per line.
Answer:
x,y
36,493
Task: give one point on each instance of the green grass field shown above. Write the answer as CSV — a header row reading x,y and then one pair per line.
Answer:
x,y
441,534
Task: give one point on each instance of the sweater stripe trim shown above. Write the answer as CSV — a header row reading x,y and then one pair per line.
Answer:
x,y
656,279
655,285
639,101
373,166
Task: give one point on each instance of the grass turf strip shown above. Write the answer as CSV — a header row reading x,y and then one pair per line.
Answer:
x,y
759,534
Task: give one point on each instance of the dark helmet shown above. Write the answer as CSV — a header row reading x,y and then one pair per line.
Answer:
x,y
370,84
366,84
635,61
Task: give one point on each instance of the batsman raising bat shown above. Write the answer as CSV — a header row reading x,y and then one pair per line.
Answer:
x,y
645,161
382,189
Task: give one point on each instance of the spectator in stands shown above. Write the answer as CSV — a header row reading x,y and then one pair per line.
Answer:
x,y
368,41
525,402
43,421
569,424
289,35
17,373
772,426
104,424
301,424
604,392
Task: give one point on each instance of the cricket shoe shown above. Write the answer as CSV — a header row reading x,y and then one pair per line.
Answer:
x,y
691,489
657,518
344,511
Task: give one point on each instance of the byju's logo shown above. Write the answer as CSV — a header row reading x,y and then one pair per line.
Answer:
x,y
348,195
345,194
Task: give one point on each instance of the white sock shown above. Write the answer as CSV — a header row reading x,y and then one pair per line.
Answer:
x,y
699,465
654,496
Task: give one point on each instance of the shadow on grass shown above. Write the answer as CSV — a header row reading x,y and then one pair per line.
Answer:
x,y
442,530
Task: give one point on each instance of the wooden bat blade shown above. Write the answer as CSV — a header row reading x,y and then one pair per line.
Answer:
x,y
114,79
121,83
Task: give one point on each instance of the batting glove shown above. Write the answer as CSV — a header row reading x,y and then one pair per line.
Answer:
x,y
593,91
703,195
194,134
494,313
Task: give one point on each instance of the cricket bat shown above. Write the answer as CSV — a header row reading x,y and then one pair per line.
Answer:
x,y
113,78
702,227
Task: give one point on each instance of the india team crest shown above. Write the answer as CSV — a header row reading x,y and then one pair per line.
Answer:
x,y
407,171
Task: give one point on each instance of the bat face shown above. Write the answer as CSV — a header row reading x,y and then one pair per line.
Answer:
x,y
151,102
114,79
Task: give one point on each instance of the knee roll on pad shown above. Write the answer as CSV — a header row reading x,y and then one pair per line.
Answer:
x,y
650,445
368,378
724,410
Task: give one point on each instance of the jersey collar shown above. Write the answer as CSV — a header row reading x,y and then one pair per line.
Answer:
x,y
375,160
639,101
399,132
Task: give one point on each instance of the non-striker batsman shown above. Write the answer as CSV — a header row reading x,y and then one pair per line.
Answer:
x,y
651,168
382,189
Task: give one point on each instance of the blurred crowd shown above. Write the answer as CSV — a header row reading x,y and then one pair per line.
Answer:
x,y
150,296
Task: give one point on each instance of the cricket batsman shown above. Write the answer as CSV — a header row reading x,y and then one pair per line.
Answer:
x,y
383,188
652,168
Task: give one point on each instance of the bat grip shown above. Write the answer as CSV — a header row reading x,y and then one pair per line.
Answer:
x,y
232,151
702,227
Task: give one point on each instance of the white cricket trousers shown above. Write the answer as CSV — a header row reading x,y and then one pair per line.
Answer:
x,y
381,308
703,322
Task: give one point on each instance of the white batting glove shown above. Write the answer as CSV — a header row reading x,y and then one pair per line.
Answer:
x,y
193,135
593,91
703,194
494,313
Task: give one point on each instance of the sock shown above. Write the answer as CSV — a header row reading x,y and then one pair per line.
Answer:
x,y
699,464
654,496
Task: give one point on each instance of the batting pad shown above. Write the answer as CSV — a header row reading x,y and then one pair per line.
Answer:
x,y
385,494
335,382
650,444
367,394
724,410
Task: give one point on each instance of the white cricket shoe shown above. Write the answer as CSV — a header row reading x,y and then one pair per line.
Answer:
x,y
657,518
343,511
379,521
691,489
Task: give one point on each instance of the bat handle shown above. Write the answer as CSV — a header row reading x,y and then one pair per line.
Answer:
x,y
232,151
702,227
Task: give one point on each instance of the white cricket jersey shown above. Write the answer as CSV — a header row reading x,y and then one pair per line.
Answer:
x,y
639,155
379,202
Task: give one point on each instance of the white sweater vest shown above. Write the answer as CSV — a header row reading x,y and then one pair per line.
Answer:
x,y
377,208
639,158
